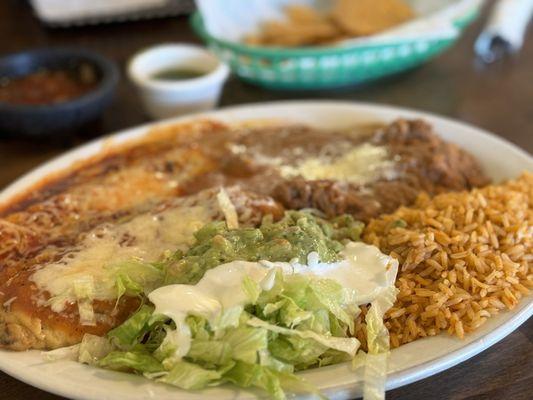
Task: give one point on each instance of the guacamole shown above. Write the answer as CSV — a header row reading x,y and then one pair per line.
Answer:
x,y
296,235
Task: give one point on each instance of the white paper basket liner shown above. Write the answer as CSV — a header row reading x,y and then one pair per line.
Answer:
x,y
232,20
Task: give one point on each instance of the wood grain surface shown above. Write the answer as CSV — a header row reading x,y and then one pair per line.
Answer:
x,y
498,97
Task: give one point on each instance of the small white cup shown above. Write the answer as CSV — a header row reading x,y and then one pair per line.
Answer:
x,y
165,98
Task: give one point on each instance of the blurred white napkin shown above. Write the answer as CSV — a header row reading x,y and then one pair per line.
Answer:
x,y
507,23
64,9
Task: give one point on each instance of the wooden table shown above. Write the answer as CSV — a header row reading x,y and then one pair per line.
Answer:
x,y
498,98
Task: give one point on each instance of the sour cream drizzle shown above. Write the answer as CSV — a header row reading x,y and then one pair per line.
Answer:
x,y
363,270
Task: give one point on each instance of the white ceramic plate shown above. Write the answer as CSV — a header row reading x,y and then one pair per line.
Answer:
x,y
408,363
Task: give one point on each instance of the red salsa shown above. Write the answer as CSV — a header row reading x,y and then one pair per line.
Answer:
x,y
46,87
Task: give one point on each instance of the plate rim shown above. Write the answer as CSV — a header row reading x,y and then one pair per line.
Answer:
x,y
395,379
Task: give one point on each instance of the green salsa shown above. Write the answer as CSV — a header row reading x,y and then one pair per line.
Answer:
x,y
177,74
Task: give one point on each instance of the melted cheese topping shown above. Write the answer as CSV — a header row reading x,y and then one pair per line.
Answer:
x,y
362,164
145,237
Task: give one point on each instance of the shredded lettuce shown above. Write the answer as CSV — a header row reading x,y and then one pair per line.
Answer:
x,y
377,333
228,209
135,277
212,352
125,336
191,376
63,353
84,291
93,348
252,289
346,345
255,375
246,342
289,322
375,376
376,361
138,361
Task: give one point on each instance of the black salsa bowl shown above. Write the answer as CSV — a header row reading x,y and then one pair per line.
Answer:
x,y
64,116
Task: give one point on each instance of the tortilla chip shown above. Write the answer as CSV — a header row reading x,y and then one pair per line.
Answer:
x,y
306,26
299,13
301,34
367,17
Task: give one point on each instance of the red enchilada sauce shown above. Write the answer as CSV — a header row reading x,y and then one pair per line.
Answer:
x,y
45,87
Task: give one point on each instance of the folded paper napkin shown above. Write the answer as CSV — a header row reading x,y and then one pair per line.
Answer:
x,y
507,25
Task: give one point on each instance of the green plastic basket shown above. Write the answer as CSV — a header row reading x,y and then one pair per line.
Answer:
x,y
324,67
